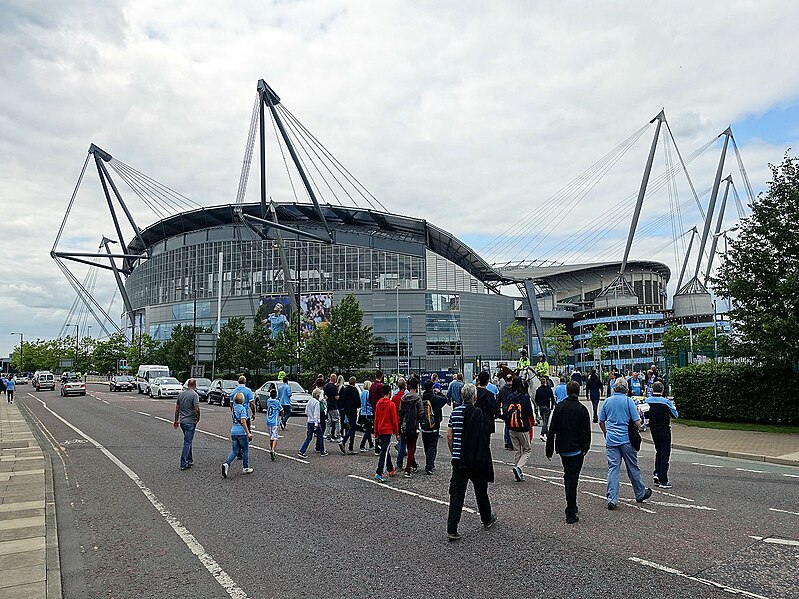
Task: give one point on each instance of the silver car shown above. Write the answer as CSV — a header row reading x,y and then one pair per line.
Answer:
x,y
165,386
299,396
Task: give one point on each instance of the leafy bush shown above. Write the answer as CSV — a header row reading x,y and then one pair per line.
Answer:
x,y
736,393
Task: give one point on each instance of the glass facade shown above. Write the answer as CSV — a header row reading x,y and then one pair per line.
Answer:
x,y
387,329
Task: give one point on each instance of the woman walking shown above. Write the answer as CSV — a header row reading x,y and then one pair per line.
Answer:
x,y
240,437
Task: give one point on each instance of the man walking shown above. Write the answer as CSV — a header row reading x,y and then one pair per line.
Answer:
x,y
661,411
313,428
615,417
570,437
386,425
273,413
331,397
366,417
348,402
284,395
454,391
432,407
545,400
593,387
410,414
187,416
469,443
560,390
504,394
486,401
396,398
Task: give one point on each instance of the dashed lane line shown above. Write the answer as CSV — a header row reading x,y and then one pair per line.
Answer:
x,y
706,465
222,578
776,541
791,475
143,413
406,492
749,470
630,502
705,581
773,509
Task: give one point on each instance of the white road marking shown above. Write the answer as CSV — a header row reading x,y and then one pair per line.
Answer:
x,y
706,465
773,509
406,492
143,413
792,475
223,578
748,470
104,401
776,540
691,506
704,581
673,495
630,501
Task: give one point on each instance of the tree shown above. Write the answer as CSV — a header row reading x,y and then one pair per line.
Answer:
x,y
284,348
599,340
760,273
559,341
676,340
345,344
143,349
231,345
257,353
108,352
512,339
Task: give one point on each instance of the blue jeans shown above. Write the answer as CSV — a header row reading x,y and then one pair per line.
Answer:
x,y
401,449
309,433
630,457
286,413
186,458
240,443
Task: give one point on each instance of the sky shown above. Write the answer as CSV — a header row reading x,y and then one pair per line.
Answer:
x,y
471,115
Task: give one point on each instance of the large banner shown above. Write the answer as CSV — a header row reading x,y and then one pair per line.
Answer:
x,y
315,311
276,312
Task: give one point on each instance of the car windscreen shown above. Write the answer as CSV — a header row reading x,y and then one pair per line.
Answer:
x,y
296,387
169,381
230,384
203,382
154,374
123,379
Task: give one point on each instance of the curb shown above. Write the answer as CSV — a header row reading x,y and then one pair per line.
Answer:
x,y
52,557
730,454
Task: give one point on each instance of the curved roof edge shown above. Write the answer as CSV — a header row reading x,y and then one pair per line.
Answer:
x,y
339,218
541,273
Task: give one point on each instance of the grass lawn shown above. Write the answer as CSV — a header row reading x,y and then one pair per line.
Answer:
x,y
740,426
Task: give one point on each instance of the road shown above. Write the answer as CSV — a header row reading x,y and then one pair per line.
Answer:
x,y
132,525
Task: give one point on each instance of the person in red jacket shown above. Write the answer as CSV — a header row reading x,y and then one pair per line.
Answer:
x,y
386,424
375,393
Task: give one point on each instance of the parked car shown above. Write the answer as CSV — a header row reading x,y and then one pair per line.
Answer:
x,y
203,385
72,386
299,396
219,391
165,386
22,378
121,382
147,373
43,379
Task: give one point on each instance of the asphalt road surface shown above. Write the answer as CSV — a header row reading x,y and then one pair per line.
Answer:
x,y
132,525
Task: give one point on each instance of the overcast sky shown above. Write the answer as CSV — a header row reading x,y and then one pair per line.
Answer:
x,y
467,114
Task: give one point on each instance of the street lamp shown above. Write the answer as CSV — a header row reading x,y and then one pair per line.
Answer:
x,y
21,352
77,334
499,322
398,335
408,347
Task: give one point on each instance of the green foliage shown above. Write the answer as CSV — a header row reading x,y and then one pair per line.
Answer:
x,y
143,350
599,338
342,346
108,352
559,342
257,348
731,392
760,273
284,348
42,355
676,339
512,339
231,347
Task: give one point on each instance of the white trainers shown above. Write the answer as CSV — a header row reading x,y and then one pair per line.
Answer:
x,y
224,470
246,470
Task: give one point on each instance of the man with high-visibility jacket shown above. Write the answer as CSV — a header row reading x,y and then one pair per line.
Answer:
x,y
542,366
524,361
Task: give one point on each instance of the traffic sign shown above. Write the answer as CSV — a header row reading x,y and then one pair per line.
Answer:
x,y
205,347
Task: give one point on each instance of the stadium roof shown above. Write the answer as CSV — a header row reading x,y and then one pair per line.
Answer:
x,y
541,273
341,219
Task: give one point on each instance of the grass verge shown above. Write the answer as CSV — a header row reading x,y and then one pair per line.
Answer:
x,y
741,426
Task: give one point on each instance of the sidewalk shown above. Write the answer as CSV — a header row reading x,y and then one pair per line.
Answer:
x,y
27,513
776,448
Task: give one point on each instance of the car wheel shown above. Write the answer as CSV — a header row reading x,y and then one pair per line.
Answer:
x,y
159,394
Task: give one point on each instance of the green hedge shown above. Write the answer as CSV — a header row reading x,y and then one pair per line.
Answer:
x,y
736,393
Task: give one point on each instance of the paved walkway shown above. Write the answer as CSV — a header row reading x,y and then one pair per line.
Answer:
x,y
25,516
776,448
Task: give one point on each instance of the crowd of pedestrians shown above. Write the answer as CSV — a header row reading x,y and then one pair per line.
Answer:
x,y
392,418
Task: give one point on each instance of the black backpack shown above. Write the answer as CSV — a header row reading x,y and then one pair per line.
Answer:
x,y
428,421
408,420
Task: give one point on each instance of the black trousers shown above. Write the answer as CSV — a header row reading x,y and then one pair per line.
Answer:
x,y
571,476
457,493
384,461
662,441
430,444
350,434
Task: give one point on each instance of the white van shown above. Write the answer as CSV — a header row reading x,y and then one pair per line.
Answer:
x,y
43,379
147,373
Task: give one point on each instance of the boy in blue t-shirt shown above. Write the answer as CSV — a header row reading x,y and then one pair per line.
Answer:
x,y
273,422
284,395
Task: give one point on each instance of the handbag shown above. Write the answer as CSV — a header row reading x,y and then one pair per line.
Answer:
x,y
635,436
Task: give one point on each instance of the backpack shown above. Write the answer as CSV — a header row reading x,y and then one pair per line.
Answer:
x,y
428,421
515,416
408,419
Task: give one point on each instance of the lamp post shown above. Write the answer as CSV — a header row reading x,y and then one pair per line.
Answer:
x,y
398,336
88,361
408,347
499,323
77,334
21,352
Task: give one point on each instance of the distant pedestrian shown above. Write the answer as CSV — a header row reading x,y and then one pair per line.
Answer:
x,y
273,413
593,387
560,390
454,391
396,398
469,443
635,385
386,426
545,400
187,416
240,436
410,415
284,395
570,437
519,417
430,424
502,400
366,418
348,401
331,391
10,385
577,377
313,427
486,401
661,411
616,416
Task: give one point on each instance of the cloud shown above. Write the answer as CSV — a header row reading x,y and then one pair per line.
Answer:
x,y
465,114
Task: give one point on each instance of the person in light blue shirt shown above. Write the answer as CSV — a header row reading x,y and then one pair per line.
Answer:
x,y
615,417
249,403
240,436
10,384
273,422
367,419
493,388
454,391
560,391
284,395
